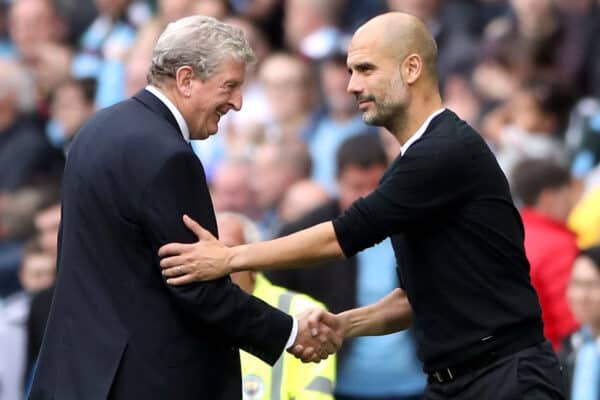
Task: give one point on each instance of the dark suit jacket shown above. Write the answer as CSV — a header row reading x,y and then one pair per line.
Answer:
x,y
116,329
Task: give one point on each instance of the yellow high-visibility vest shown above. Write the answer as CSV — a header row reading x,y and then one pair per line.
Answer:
x,y
289,378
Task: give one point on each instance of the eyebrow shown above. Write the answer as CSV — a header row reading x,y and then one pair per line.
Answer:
x,y
361,66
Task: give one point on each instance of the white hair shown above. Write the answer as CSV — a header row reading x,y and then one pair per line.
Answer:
x,y
200,42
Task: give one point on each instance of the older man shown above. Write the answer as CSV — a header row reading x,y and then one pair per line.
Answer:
x,y
116,330
456,234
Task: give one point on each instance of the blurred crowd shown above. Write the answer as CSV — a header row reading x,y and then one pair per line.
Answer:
x,y
524,73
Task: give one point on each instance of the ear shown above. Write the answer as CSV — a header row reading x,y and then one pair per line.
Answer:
x,y
412,68
184,77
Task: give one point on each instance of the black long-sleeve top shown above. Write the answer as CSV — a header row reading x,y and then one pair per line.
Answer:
x,y
458,240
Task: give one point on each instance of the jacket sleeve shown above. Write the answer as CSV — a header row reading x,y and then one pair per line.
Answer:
x,y
179,187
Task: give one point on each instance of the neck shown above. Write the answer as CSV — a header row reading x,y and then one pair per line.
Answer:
x,y
418,111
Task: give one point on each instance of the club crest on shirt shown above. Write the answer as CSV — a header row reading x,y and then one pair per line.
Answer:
x,y
253,387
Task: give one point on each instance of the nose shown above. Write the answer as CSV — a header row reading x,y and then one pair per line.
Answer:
x,y
354,86
235,101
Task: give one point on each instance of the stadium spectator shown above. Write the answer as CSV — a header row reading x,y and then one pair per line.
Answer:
x,y
580,355
36,273
71,104
276,166
290,91
230,187
529,125
547,194
311,27
301,197
289,378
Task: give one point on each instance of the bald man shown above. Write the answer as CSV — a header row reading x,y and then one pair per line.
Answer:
x,y
457,236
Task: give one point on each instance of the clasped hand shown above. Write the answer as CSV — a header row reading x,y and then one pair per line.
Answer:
x,y
320,334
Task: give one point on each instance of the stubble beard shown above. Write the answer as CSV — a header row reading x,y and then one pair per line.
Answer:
x,y
391,115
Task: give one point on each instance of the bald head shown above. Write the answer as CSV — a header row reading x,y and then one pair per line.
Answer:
x,y
398,35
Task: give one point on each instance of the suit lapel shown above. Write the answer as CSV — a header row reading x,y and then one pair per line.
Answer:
x,y
153,103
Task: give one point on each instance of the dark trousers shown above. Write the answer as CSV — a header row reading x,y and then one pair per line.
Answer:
x,y
533,373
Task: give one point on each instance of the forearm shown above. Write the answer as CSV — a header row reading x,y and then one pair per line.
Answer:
x,y
318,243
391,314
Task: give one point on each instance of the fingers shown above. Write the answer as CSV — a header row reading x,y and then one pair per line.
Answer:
x,y
181,280
175,271
198,230
171,249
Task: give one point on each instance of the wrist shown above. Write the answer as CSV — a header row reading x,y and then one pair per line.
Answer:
x,y
233,259
345,326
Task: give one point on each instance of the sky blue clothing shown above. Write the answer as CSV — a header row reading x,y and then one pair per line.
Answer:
x,y
586,374
324,143
102,48
379,365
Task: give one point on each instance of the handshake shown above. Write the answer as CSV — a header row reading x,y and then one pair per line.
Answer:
x,y
320,334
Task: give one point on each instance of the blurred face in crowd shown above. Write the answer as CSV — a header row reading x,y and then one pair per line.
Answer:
x,y
47,223
422,9
204,102
334,81
286,83
32,23
531,8
301,19
300,198
354,182
230,188
376,80
231,233
70,107
37,272
172,10
212,8
271,177
583,291
528,116
113,8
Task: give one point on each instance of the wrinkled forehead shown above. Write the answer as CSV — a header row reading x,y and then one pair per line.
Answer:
x,y
367,47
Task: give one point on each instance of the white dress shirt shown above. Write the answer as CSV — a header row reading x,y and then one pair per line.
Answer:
x,y
185,131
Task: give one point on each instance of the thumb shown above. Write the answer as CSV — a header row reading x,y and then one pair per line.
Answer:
x,y
195,227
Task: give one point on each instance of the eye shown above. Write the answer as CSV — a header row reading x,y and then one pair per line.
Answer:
x,y
231,85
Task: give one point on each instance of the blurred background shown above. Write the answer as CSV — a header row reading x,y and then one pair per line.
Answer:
x,y
524,73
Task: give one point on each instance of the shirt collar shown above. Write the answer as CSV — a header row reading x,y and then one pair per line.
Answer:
x,y
176,113
417,135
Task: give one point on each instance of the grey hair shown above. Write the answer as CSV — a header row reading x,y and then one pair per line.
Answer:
x,y
16,80
200,42
249,228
